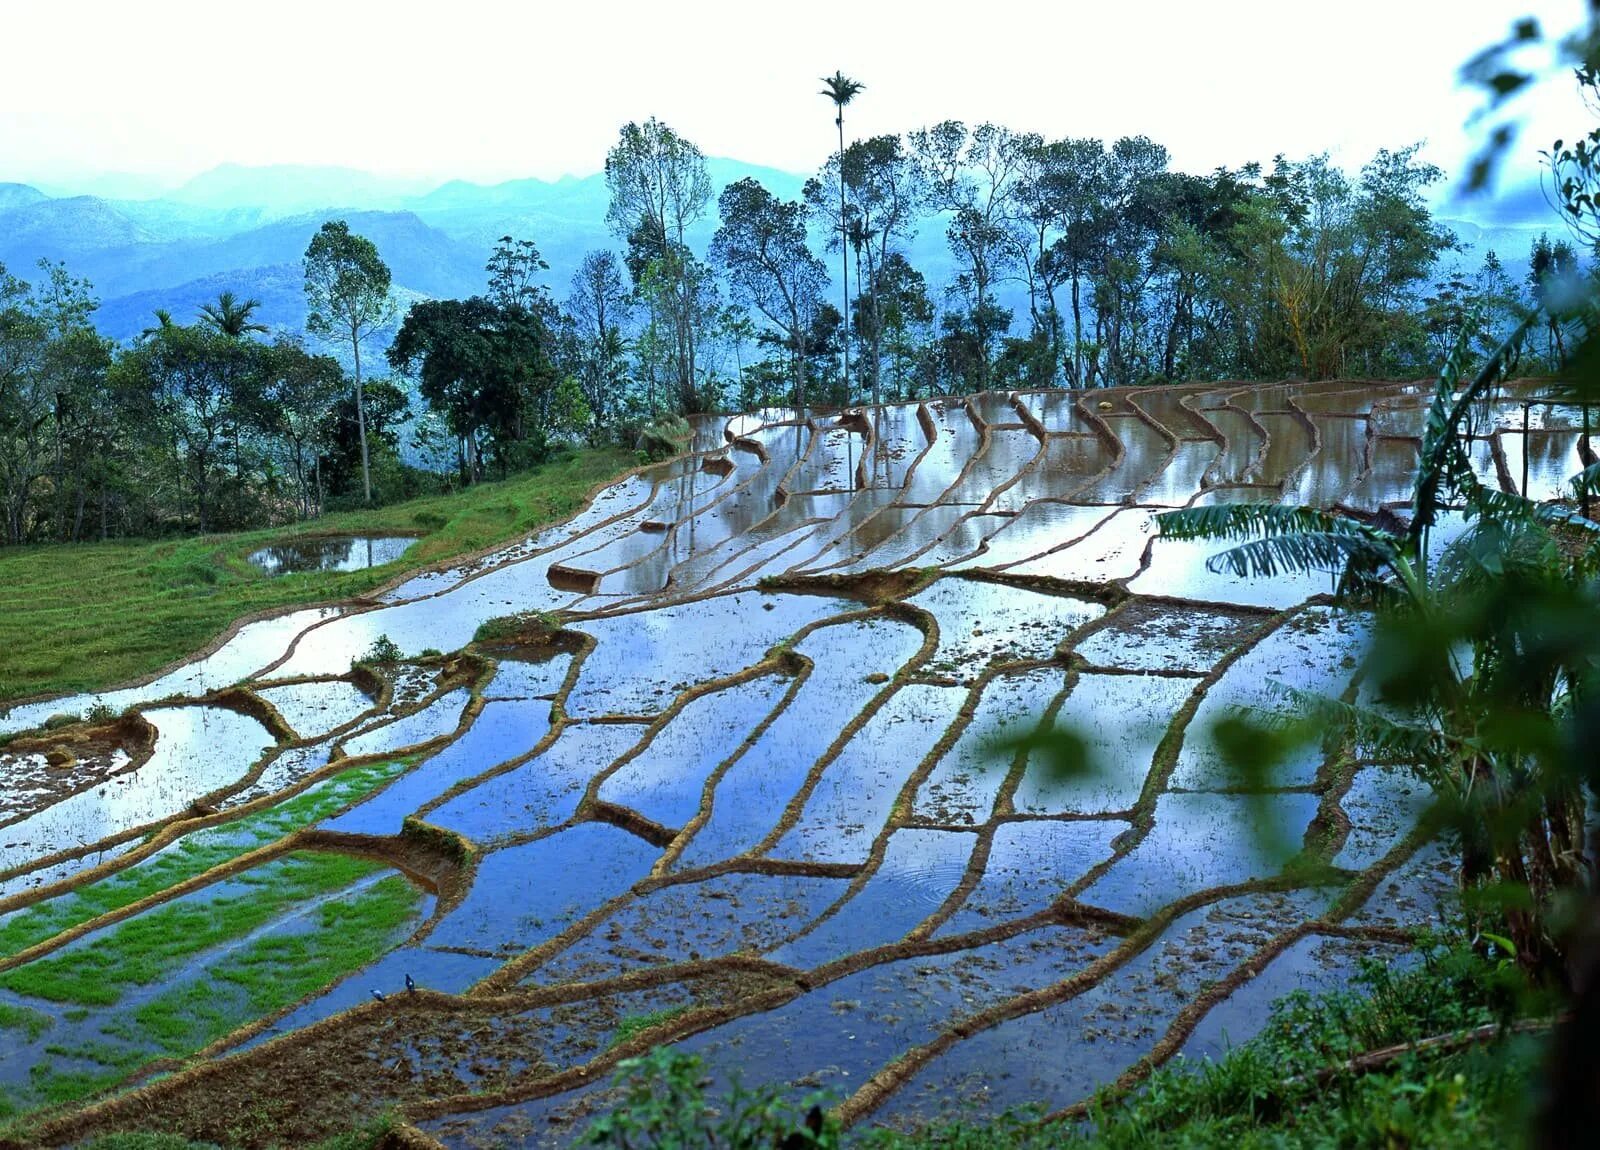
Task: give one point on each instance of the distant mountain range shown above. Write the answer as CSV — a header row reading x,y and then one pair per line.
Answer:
x,y
246,229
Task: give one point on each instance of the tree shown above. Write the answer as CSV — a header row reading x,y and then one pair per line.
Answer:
x,y
762,246
973,176
1552,267
199,383
1333,267
886,195
513,269
229,316
301,390
1130,224
485,367
347,299
659,186
905,316
387,407
1065,183
842,90
598,305
25,402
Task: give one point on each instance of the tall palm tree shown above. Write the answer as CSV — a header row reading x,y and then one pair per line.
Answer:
x,y
231,317
841,90
163,323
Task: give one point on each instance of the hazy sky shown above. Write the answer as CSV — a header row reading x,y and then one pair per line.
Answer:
x,y
487,91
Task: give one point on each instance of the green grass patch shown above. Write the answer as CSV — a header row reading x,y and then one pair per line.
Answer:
x,y
633,1025
144,949
259,978
31,1022
193,855
514,626
276,971
78,617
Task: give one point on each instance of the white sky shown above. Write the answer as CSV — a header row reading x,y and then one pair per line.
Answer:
x,y
485,91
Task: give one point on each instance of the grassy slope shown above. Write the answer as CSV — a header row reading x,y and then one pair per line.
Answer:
x,y
79,617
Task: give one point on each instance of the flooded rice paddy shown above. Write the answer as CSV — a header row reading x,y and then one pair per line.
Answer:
x,y
741,767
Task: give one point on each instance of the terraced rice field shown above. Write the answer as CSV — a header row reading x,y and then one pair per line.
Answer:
x,y
736,778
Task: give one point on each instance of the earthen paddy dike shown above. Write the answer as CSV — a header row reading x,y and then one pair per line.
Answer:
x,y
734,768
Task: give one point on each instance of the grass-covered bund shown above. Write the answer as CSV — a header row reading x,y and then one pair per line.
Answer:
x,y
83,616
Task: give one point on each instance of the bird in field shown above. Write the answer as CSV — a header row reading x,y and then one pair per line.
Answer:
x,y
378,996
411,985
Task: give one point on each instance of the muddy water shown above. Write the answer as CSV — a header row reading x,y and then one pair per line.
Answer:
x,y
856,791
723,775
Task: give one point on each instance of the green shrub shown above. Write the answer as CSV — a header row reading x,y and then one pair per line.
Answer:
x,y
384,652
504,627
665,1107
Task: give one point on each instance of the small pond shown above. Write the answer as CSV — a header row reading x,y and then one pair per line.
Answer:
x,y
331,553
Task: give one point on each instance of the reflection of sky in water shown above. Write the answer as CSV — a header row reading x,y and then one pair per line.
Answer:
x,y
905,802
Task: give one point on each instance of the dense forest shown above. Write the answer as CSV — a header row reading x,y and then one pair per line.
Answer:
x,y
1131,273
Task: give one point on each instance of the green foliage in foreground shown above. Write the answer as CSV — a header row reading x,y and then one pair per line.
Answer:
x,y
665,1107
191,856
1261,1095
76,617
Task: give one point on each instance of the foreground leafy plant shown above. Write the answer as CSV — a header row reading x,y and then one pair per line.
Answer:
x,y
1479,670
665,1107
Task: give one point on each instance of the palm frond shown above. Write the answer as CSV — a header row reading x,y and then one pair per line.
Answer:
x,y
1586,482
1490,503
1374,734
1232,521
1304,552
841,89
1443,469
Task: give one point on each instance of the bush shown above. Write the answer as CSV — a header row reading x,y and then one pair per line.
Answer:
x,y
384,652
665,1107
523,623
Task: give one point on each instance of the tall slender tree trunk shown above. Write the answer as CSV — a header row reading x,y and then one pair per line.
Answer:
x,y
799,359
980,327
361,419
1077,330
877,328
844,255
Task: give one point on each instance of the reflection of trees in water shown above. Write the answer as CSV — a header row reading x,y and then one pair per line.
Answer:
x,y
330,553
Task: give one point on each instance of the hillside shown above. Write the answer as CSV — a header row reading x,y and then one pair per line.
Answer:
x,y
246,229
